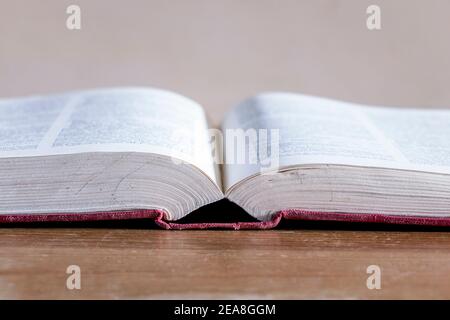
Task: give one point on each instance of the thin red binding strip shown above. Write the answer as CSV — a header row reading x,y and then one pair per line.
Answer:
x,y
297,214
224,225
72,217
291,214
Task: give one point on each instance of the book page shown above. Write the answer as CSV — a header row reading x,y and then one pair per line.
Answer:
x,y
109,120
322,131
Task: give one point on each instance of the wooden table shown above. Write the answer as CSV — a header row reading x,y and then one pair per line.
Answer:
x,y
124,262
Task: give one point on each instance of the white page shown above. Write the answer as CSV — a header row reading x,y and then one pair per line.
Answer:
x,y
109,120
421,136
322,131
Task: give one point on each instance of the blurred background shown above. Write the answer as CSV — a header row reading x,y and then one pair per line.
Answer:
x,y
219,52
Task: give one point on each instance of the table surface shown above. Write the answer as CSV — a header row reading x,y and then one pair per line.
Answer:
x,y
140,263
218,53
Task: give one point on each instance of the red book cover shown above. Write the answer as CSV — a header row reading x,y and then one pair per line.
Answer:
x,y
292,214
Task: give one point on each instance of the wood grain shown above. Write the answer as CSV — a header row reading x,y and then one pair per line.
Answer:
x,y
121,263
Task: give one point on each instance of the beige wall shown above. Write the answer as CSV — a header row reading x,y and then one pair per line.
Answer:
x,y
219,52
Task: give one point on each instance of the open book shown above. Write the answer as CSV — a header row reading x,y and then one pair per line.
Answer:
x,y
136,152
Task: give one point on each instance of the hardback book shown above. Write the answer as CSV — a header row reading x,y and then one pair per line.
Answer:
x,y
127,153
